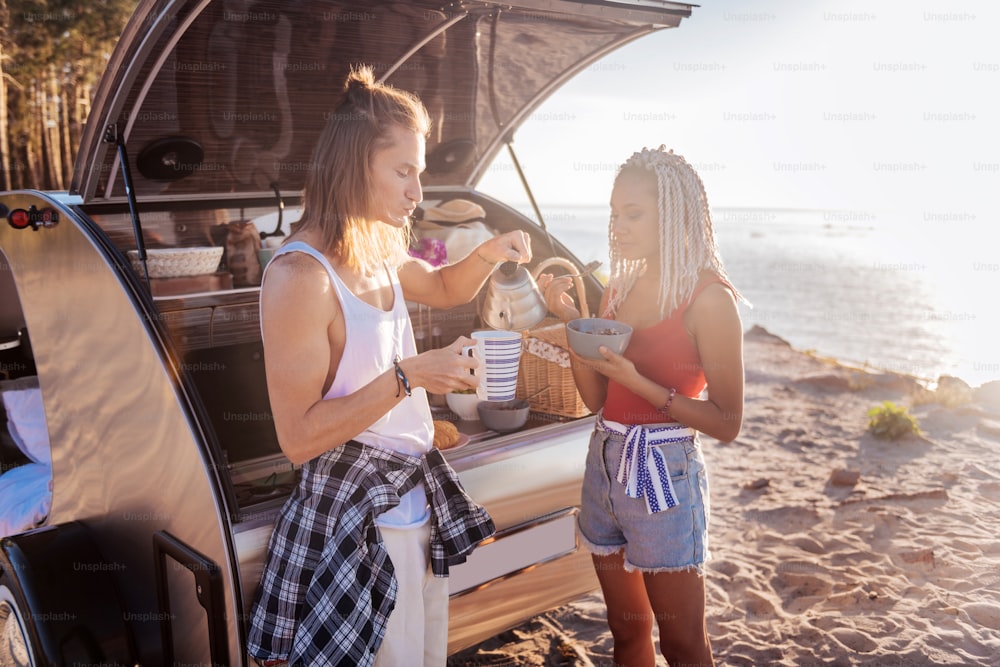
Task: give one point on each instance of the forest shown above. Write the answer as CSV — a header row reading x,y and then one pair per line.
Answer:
x,y
52,55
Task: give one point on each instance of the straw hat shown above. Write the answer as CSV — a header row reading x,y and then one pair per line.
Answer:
x,y
455,211
459,223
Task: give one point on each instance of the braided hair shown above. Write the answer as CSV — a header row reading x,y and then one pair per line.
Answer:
x,y
687,240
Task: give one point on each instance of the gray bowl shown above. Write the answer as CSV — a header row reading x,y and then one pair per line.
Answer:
x,y
586,334
504,416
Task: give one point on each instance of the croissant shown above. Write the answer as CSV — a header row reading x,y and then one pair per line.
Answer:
x,y
445,434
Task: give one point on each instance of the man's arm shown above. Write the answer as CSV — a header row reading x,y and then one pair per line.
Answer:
x,y
304,336
454,284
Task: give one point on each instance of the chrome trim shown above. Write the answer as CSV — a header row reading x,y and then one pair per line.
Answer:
x,y
65,198
504,447
266,199
546,522
654,11
157,65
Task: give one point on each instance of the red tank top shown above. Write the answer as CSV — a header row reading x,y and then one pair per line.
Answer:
x,y
664,353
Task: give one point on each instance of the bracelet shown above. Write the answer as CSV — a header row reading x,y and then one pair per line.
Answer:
x,y
480,256
665,409
402,382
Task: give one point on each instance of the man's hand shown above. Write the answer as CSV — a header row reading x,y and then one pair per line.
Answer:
x,y
443,370
510,247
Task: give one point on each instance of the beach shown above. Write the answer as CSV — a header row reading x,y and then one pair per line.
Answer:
x,y
830,546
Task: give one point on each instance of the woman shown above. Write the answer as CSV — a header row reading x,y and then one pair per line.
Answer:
x,y
645,505
356,563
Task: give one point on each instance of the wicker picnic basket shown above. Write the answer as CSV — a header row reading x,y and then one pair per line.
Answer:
x,y
545,360
178,262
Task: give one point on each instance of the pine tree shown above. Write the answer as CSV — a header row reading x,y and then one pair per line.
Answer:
x,y
52,53
5,180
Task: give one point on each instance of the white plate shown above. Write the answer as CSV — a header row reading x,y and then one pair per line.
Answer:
x,y
463,440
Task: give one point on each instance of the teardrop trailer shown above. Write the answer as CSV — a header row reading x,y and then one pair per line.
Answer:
x,y
166,475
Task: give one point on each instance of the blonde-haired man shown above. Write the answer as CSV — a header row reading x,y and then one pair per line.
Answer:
x,y
349,396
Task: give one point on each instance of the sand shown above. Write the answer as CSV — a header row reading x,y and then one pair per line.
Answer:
x,y
831,546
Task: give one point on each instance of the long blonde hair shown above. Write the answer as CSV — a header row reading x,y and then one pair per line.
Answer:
x,y
338,199
687,239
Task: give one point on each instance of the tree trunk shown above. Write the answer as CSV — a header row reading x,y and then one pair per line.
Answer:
x,y
52,133
6,164
66,95
33,143
81,108
42,130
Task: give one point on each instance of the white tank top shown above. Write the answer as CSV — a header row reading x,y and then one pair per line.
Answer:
x,y
374,337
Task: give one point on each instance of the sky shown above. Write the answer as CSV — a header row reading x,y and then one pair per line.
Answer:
x,y
875,109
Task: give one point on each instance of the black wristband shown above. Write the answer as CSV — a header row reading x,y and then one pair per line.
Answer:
x,y
402,382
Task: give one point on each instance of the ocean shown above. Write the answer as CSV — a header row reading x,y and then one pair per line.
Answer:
x,y
915,295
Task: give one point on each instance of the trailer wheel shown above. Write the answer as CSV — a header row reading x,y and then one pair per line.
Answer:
x,y
59,603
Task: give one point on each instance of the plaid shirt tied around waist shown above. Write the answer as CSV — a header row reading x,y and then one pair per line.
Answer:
x,y
328,585
642,468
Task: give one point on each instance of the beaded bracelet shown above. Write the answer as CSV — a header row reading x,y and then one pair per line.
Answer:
x,y
665,409
402,382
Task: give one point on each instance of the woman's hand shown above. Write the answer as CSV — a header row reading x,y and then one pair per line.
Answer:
x,y
442,370
557,299
613,366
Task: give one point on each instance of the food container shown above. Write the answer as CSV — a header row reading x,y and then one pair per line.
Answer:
x,y
463,405
504,416
586,334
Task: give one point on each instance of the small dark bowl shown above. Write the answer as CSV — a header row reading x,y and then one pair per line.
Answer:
x,y
504,416
586,334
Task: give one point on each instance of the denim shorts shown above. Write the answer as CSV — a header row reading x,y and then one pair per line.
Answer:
x,y
673,540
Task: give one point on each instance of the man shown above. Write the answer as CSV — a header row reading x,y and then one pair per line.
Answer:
x,y
342,368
